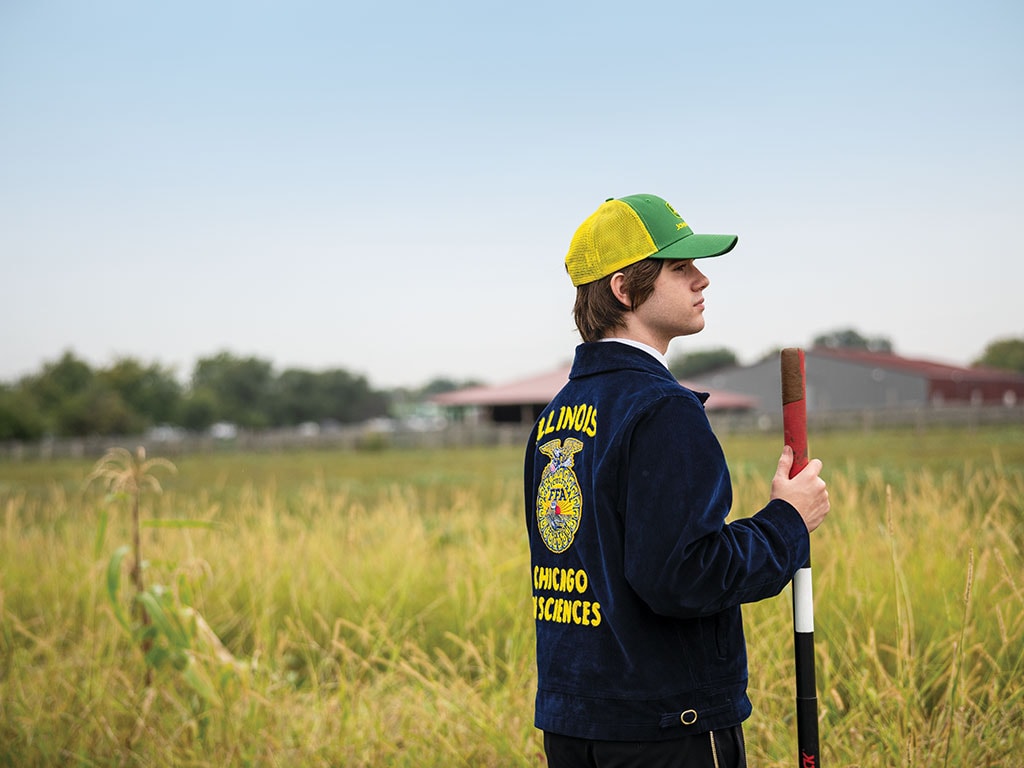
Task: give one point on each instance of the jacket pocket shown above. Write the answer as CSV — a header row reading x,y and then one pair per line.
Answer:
x,y
728,632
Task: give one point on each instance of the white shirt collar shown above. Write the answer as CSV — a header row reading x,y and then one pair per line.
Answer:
x,y
640,345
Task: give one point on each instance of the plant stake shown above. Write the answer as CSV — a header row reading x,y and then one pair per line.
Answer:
x,y
794,427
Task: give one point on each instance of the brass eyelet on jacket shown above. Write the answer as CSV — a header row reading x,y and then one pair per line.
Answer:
x,y
689,717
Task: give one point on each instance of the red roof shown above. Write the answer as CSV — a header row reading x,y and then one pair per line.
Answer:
x,y
542,388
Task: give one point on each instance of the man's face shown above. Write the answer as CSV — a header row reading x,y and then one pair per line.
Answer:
x,y
676,308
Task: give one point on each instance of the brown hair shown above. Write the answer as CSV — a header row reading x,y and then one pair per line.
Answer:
x,y
597,311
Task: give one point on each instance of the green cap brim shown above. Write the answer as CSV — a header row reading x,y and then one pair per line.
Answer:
x,y
697,247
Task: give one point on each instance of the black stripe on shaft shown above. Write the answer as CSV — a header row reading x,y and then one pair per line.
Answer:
x,y
806,700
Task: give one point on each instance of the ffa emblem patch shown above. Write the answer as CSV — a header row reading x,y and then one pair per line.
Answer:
x,y
559,501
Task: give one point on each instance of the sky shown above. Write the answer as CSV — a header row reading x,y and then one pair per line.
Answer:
x,y
391,188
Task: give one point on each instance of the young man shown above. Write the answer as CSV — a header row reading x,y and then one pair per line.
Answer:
x,y
637,578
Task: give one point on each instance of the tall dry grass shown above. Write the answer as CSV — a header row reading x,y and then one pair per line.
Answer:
x,y
377,609
919,627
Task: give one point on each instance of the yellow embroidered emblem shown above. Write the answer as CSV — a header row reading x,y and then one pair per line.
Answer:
x,y
559,501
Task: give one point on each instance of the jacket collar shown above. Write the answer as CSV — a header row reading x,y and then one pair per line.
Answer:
x,y
606,356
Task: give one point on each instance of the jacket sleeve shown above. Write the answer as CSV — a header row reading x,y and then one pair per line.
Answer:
x,y
681,557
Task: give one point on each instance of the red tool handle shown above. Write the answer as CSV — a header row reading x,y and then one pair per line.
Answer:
x,y
794,407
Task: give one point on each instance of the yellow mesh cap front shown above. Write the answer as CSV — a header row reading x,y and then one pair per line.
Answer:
x,y
611,238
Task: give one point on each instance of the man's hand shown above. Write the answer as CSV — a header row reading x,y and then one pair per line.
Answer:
x,y
806,492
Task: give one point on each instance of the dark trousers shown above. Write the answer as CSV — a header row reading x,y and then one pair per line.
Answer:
x,y
715,749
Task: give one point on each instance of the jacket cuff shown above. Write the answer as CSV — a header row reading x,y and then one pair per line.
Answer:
x,y
783,516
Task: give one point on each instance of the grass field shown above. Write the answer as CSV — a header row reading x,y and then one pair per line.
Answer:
x,y
374,610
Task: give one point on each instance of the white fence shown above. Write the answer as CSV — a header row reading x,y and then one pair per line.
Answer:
x,y
480,435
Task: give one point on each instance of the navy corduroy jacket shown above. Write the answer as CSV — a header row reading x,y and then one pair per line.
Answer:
x,y
637,578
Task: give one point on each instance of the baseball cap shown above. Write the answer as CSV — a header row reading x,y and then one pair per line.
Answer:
x,y
625,230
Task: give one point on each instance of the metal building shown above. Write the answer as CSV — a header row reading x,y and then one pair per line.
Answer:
x,y
844,379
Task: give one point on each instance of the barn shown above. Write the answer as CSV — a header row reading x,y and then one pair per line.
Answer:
x,y
522,401
848,379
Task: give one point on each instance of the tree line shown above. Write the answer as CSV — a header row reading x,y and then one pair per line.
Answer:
x,y
69,398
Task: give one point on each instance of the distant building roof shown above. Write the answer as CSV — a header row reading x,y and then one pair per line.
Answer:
x,y
542,388
930,369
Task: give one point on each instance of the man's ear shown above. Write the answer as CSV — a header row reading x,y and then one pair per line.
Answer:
x,y
617,285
